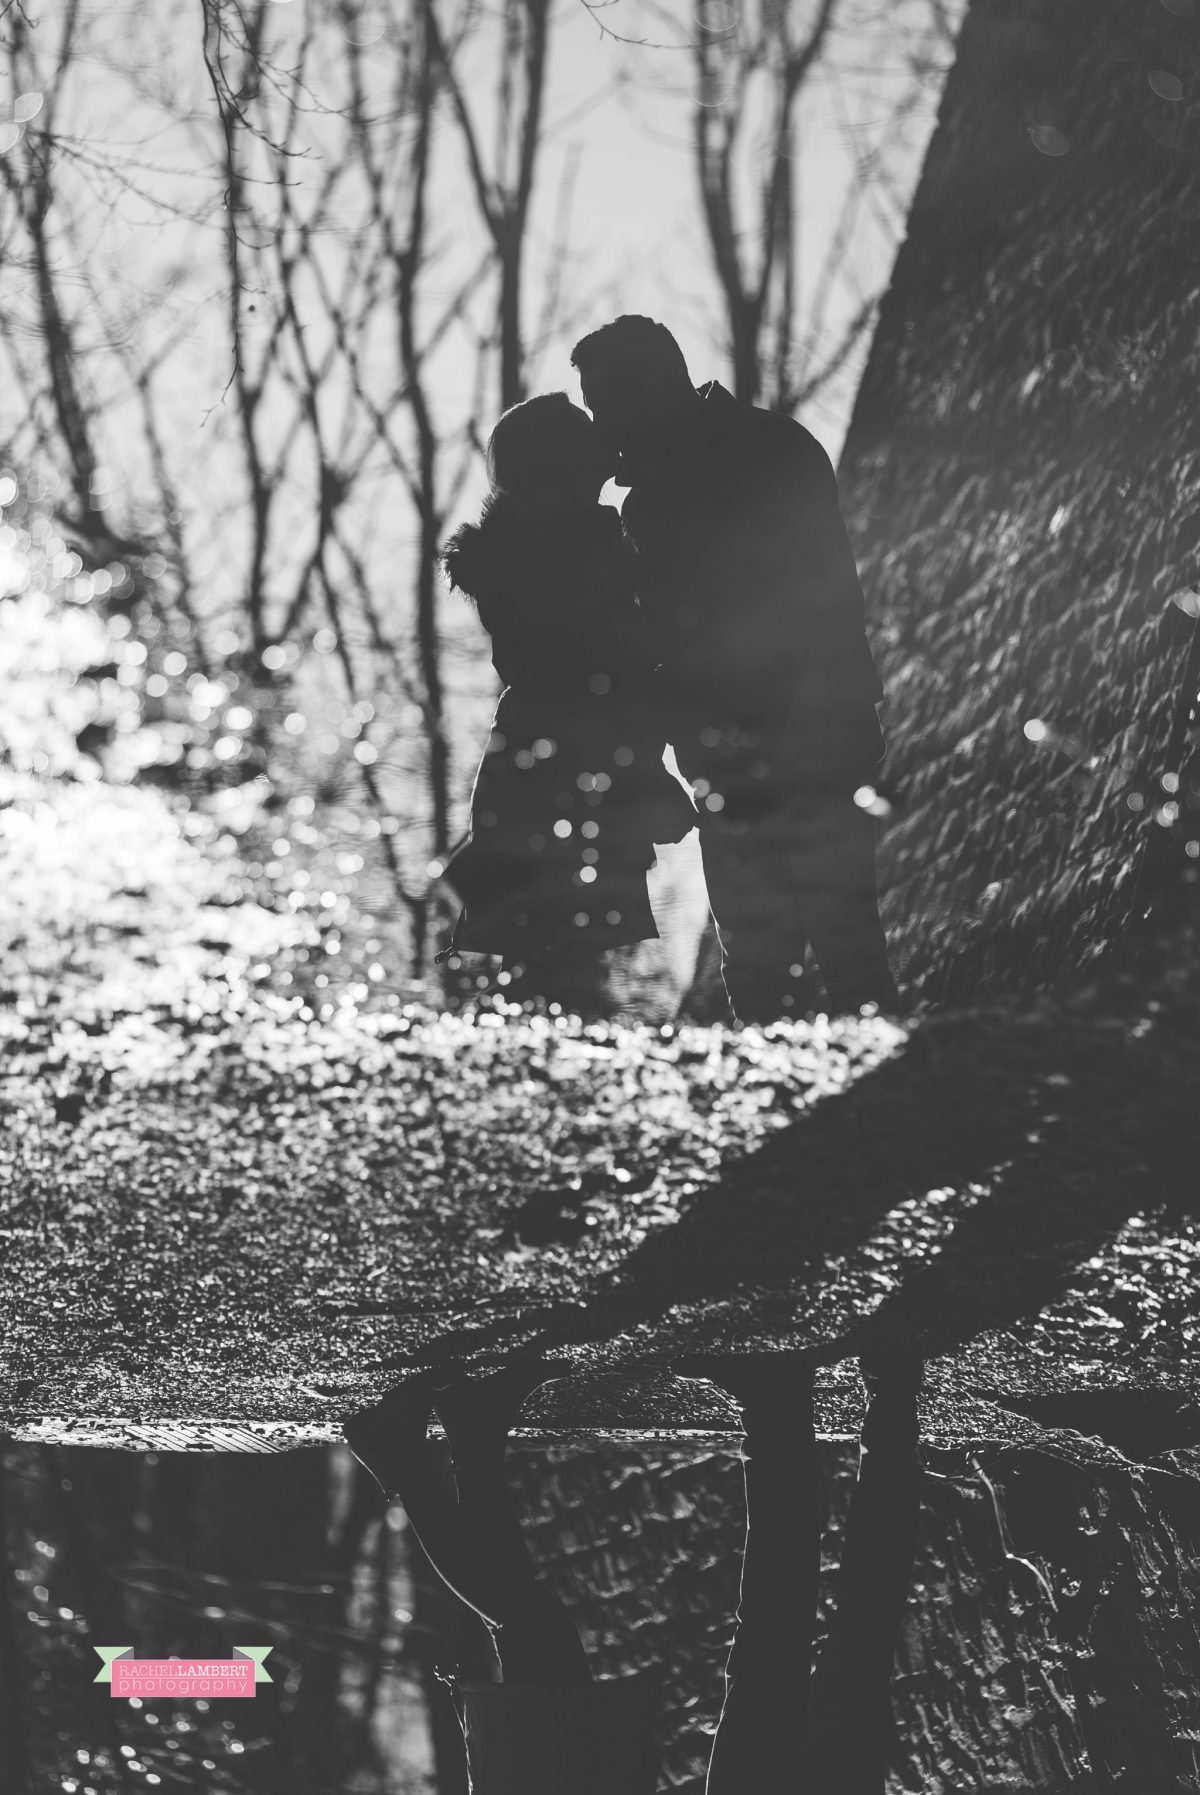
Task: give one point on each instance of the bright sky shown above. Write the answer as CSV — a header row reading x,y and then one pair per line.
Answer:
x,y
621,114
143,246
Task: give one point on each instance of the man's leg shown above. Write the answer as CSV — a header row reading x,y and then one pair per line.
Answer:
x,y
833,865
761,1742
802,872
852,1683
756,910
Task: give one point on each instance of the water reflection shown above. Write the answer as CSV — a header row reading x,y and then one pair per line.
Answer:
x,y
566,1730
1047,1637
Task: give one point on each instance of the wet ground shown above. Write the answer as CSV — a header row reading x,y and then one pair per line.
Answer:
x,y
228,1218
1049,1640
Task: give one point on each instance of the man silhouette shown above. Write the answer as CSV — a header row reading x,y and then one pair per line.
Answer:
x,y
750,588
828,1728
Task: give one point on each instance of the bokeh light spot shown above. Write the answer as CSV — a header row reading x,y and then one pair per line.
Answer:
x,y
1049,140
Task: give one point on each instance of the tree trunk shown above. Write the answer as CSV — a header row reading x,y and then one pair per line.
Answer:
x,y
1011,476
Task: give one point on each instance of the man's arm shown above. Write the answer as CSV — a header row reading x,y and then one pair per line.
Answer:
x,y
820,617
827,593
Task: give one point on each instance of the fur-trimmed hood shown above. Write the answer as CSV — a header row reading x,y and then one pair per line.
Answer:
x,y
471,552
554,588
517,546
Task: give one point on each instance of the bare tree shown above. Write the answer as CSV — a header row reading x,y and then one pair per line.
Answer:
x,y
295,534
60,400
503,188
277,259
755,70
726,62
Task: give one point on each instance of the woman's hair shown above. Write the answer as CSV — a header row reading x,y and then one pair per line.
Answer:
x,y
539,448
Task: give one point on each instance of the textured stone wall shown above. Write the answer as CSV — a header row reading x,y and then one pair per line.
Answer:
x,y
1022,481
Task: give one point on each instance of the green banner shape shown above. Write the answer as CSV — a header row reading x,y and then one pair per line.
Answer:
x,y
107,1653
258,1653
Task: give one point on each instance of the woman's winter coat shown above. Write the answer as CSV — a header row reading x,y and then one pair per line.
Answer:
x,y
571,793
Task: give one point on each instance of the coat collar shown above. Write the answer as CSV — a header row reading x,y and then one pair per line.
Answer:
x,y
673,453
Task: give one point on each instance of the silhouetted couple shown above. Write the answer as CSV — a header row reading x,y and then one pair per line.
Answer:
x,y
719,613
547,1729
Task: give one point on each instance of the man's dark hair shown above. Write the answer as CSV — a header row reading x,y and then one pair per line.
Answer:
x,y
633,346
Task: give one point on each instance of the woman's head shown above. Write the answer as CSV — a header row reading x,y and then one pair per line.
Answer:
x,y
547,450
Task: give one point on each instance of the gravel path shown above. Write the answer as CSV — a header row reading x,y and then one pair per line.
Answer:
x,y
236,1217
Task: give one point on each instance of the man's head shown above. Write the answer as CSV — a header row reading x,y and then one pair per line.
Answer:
x,y
635,381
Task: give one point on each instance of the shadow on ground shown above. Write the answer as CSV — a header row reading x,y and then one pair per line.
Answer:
x,y
980,1177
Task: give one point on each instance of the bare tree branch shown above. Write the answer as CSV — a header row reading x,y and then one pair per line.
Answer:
x,y
502,198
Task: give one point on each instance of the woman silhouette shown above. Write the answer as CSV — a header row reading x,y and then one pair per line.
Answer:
x,y
547,1728
571,794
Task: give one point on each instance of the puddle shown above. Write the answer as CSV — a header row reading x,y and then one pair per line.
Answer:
x,y
1050,1625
